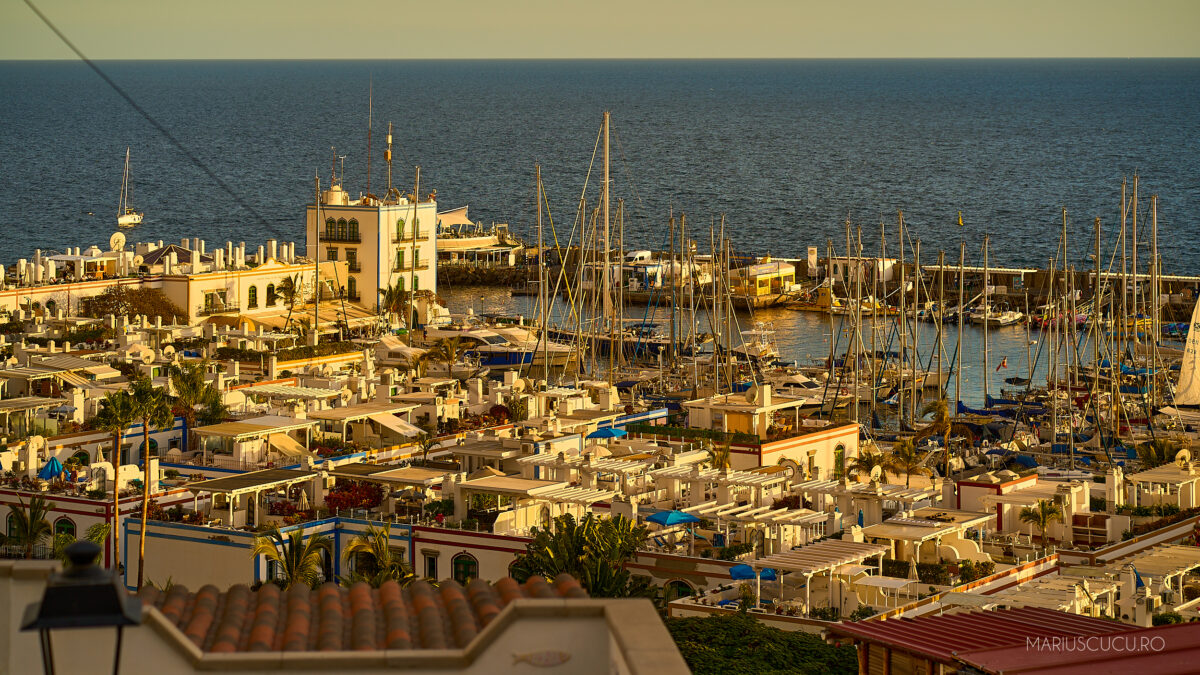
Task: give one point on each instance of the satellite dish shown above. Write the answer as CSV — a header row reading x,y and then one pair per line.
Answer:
x,y
169,351
344,396
138,260
147,356
796,473
1183,458
116,242
876,472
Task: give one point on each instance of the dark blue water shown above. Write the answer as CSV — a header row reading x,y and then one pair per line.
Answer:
x,y
786,149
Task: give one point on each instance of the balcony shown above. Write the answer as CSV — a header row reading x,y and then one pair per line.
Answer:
x,y
408,237
217,308
355,266
354,238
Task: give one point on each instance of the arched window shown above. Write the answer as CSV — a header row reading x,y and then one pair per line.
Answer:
x,y
330,227
64,525
544,517
351,287
464,568
676,589
399,228
400,284
51,305
416,283
353,231
270,295
10,524
82,457
839,461
252,298
341,234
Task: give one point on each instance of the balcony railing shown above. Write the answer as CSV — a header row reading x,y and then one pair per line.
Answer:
x,y
209,310
408,236
355,266
333,236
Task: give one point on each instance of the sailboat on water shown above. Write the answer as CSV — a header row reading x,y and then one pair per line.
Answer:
x,y
126,215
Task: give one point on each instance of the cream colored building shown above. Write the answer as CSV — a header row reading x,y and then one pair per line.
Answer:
x,y
383,242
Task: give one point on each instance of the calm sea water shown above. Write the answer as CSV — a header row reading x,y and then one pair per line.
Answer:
x,y
786,149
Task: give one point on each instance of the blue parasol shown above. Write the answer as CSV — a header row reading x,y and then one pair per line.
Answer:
x,y
669,518
607,432
744,572
53,469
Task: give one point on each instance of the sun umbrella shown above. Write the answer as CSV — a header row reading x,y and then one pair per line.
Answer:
x,y
743,572
669,518
53,469
607,432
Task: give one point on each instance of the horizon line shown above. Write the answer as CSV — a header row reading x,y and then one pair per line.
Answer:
x,y
629,58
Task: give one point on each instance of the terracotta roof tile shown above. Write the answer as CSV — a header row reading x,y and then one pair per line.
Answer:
x,y
332,618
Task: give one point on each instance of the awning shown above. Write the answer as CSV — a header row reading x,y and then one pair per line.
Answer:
x,y
286,445
397,425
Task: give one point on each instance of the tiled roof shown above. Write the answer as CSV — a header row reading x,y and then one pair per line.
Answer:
x,y
940,637
334,618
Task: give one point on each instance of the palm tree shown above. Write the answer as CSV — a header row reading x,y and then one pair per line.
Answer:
x,y
867,460
96,534
942,424
289,290
375,563
297,560
394,300
1041,516
116,415
427,440
718,455
151,409
1156,452
906,459
192,389
28,525
593,550
450,351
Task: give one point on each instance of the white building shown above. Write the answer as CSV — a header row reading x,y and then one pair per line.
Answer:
x,y
383,242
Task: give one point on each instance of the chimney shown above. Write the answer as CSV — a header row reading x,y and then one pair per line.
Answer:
x,y
272,249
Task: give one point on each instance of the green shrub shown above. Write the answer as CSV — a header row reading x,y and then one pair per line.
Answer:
x,y
1167,618
863,612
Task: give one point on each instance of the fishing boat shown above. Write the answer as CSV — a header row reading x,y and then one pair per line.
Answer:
x,y
126,215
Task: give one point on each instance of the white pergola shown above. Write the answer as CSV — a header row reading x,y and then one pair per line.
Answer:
x,y
723,479
822,557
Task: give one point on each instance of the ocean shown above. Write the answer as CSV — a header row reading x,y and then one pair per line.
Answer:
x,y
785,150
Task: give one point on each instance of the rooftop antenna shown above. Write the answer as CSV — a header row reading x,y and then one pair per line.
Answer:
x,y
387,156
333,167
342,172
370,114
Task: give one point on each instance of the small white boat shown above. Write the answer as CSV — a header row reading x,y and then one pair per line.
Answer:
x,y
126,215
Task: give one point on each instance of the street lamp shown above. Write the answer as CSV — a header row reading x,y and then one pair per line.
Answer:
x,y
82,596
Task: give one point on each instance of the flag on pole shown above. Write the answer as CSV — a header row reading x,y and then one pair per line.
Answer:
x,y
1140,583
1003,364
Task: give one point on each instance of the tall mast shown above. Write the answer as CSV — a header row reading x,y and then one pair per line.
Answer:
x,y
903,322
543,296
858,278
940,316
1123,329
917,279
1134,264
674,299
1155,327
962,261
316,327
412,263
987,312
607,280
370,121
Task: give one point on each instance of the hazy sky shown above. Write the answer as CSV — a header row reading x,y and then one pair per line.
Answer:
x,y
382,29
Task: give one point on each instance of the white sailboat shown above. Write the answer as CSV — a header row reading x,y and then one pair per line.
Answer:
x,y
1187,389
126,215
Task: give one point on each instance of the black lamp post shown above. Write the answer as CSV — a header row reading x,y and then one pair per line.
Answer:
x,y
82,596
